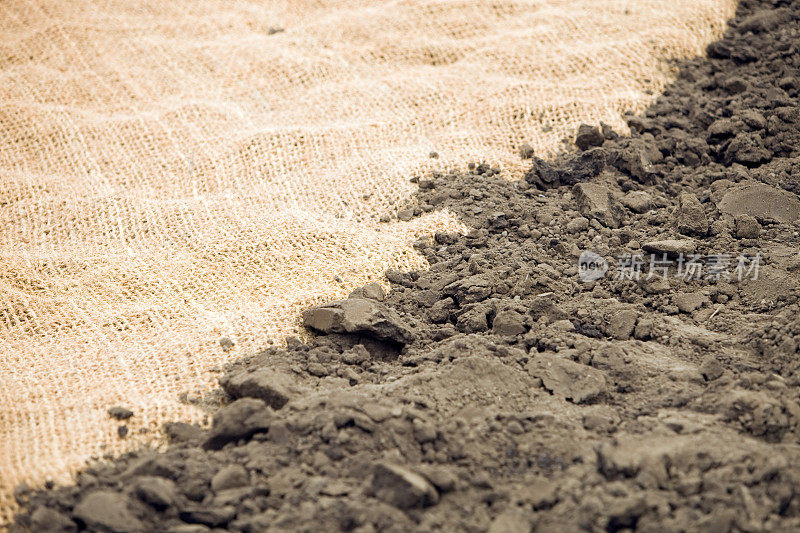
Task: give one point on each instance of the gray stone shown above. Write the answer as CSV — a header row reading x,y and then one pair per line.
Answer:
x,y
107,510
577,225
621,323
402,487
405,215
230,477
711,368
690,217
568,379
637,201
764,202
238,420
636,158
44,519
156,491
688,302
359,315
273,387
588,136
226,344
212,517
512,520
120,413
509,322
595,201
526,151
372,291
747,227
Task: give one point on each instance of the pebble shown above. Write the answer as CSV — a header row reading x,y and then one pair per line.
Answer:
x,y
106,510
402,487
595,201
690,218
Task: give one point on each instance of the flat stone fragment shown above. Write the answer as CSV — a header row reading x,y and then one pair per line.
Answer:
x,y
106,510
764,202
271,386
690,217
401,487
595,201
359,315
241,419
671,246
568,379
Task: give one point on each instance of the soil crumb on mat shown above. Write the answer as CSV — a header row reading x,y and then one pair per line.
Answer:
x,y
613,346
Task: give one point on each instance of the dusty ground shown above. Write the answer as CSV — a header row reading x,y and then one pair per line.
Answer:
x,y
502,391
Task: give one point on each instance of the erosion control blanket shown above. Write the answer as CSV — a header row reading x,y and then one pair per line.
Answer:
x,y
172,173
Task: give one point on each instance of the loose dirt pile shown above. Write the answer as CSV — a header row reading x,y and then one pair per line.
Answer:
x,y
613,346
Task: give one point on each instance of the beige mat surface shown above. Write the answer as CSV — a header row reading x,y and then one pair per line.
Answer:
x,y
173,172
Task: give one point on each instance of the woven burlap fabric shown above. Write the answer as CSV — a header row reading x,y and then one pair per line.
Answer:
x,y
173,172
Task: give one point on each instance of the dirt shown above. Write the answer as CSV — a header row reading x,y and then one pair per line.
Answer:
x,y
528,380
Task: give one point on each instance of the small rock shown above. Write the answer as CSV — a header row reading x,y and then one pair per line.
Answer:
x,y
637,201
209,516
405,215
359,315
442,477
577,225
690,217
688,302
672,247
424,431
588,136
263,383
401,487
156,491
238,420
230,477
44,519
473,320
601,419
636,158
711,368
747,149
120,413
644,328
735,85
189,528
509,323
622,323
567,379
122,431
512,520
107,510
747,227
317,369
539,492
372,291
595,201
227,344
563,325
182,432
526,151
762,202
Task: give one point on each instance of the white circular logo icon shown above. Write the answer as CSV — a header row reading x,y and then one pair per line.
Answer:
x,y
591,266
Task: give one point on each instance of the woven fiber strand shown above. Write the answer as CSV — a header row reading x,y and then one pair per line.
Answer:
x,y
172,172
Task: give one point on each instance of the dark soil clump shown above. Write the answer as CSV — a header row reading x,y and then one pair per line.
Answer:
x,y
534,378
